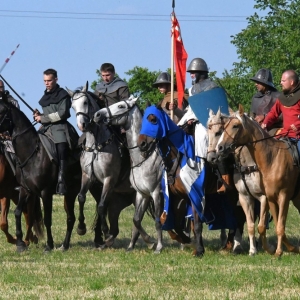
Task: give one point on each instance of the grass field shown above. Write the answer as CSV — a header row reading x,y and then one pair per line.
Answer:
x,y
85,273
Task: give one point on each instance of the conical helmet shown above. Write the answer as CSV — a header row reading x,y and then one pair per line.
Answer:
x,y
264,76
163,77
197,65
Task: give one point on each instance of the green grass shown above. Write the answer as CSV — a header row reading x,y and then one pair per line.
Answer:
x,y
86,273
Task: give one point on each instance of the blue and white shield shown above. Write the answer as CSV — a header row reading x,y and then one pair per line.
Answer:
x,y
213,99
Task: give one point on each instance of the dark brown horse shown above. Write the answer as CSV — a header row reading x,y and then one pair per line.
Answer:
x,y
36,175
172,161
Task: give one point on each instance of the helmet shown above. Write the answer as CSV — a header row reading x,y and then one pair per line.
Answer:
x,y
163,77
264,76
197,64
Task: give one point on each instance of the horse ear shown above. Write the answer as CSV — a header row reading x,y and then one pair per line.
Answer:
x,y
241,109
148,103
231,111
86,87
211,113
71,93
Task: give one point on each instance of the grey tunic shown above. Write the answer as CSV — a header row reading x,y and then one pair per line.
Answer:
x,y
54,120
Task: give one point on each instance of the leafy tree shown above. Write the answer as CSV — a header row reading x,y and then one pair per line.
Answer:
x,y
140,85
270,41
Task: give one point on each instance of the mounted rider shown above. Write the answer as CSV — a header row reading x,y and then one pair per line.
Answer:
x,y
111,89
287,104
265,98
201,83
56,104
163,83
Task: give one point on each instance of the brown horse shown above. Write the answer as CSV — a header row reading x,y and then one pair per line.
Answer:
x,y
172,162
280,177
8,185
247,180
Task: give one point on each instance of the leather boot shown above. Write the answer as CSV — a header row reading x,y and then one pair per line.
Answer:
x,y
226,184
61,188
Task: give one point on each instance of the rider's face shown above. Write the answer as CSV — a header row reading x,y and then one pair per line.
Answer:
x,y
286,83
107,76
50,81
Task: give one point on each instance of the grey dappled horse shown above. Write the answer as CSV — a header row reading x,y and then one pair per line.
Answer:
x,y
247,180
146,172
101,160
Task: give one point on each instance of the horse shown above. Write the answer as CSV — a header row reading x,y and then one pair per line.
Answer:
x,y
9,191
146,167
101,160
36,175
247,180
175,145
279,174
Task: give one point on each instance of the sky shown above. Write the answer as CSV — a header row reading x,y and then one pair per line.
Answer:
x,y
76,37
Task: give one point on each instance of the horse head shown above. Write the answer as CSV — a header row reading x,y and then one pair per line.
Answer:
x,y
215,126
237,132
115,114
85,105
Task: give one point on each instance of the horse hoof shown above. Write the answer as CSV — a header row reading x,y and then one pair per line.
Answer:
x,y
62,248
81,231
109,241
197,254
129,249
151,246
100,247
238,250
47,249
21,248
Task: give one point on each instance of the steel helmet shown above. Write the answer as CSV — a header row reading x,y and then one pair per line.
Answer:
x,y
197,65
163,77
264,76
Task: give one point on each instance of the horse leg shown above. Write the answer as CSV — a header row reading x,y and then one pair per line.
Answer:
x,y
158,203
198,229
141,204
21,246
5,205
280,229
85,183
47,203
261,228
69,204
96,190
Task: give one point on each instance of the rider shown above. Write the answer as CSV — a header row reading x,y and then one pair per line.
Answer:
x,y
163,83
9,97
265,98
111,89
287,104
56,104
201,82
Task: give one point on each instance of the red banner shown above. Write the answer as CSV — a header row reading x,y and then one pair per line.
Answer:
x,y
180,57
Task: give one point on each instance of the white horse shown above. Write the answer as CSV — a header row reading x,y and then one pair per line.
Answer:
x,y
101,160
146,171
247,180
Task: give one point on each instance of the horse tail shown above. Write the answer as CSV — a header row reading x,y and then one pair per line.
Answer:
x,y
38,220
151,209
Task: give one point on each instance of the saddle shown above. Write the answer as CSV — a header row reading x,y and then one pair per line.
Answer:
x,y
49,145
294,149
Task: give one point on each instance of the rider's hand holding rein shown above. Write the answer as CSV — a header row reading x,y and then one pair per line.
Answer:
x,y
37,116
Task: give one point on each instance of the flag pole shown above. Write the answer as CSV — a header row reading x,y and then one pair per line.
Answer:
x,y
172,61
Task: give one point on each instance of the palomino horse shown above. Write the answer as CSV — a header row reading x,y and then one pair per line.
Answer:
x,y
146,171
37,176
101,160
173,146
275,164
247,180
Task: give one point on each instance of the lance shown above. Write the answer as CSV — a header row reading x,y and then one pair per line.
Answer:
x,y
7,60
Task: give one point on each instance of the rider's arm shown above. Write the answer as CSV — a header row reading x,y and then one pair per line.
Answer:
x,y
62,113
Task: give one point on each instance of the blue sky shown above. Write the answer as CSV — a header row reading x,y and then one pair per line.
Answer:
x,y
76,37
